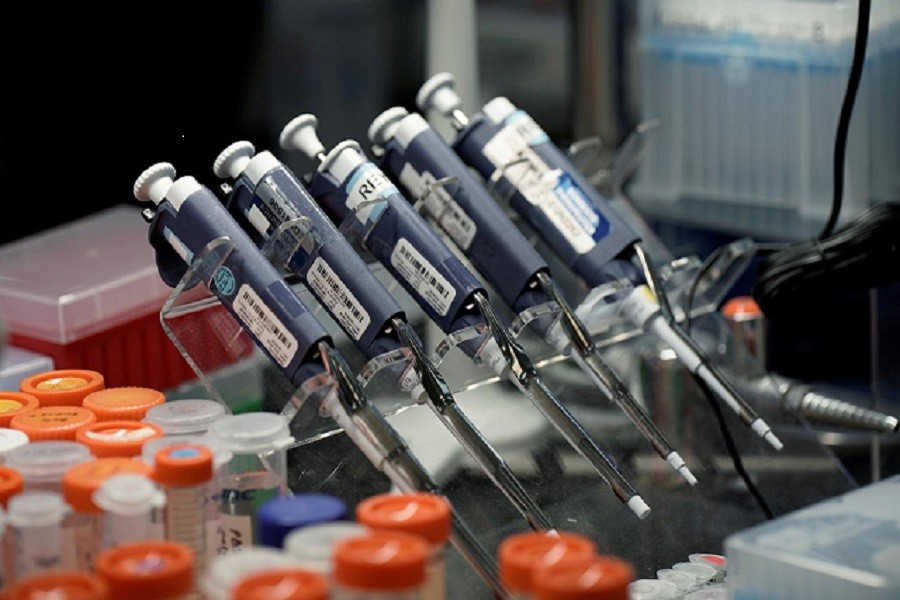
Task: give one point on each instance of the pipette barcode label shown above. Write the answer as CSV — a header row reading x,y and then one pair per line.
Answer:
x,y
264,325
422,276
440,205
338,299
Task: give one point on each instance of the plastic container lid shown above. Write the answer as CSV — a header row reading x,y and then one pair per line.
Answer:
x,y
59,585
226,570
185,416
36,509
123,403
183,465
47,462
653,589
741,308
278,517
521,554
10,439
14,403
11,484
381,560
147,570
80,482
683,581
62,387
53,422
129,494
252,432
425,515
597,578
117,438
314,545
702,573
282,584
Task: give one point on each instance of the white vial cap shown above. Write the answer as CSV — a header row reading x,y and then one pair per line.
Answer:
x,y
186,416
683,581
385,125
314,545
129,494
10,439
653,589
227,570
36,509
438,94
47,462
252,432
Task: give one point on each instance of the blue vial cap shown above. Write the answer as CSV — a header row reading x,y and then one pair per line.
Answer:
x,y
280,516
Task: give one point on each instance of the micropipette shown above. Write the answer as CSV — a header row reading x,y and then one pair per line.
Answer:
x,y
189,217
416,157
270,203
356,194
510,150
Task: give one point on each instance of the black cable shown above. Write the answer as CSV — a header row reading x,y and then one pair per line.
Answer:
x,y
731,447
843,128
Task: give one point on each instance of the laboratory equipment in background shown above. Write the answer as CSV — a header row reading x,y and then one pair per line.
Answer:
x,y
359,197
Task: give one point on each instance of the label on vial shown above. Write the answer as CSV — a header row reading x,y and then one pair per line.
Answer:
x,y
366,191
234,533
338,299
551,191
262,323
422,276
449,215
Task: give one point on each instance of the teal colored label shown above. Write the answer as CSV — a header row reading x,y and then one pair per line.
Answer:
x,y
224,281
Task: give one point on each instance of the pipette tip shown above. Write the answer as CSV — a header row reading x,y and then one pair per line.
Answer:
x,y
763,430
773,440
677,463
639,507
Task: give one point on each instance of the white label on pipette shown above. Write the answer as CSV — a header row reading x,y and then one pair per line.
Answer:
x,y
263,324
337,298
422,276
440,206
366,190
550,190
234,534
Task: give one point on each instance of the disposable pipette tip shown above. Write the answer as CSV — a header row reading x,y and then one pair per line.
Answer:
x,y
893,423
639,507
763,430
677,463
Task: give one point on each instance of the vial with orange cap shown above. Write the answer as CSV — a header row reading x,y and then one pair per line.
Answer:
x,y
425,515
14,403
584,578
60,585
184,471
154,570
62,387
123,439
47,423
282,584
381,565
520,555
124,403
83,529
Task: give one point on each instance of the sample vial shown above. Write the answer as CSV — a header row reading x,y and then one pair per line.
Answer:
x,y
280,516
11,484
10,439
256,473
129,503
60,585
597,578
34,533
520,555
123,439
154,570
42,465
683,581
382,565
425,515
180,417
123,403
82,529
14,403
313,546
704,574
282,584
52,422
225,571
185,471
653,589
62,387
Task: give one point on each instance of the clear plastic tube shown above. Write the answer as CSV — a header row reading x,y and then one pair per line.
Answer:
x,y
34,540
129,502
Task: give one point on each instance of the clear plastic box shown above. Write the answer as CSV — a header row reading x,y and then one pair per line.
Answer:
x,y
16,364
845,547
88,295
748,95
